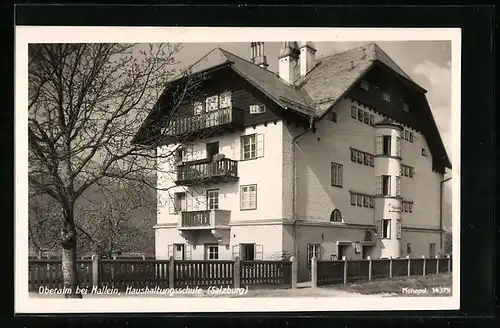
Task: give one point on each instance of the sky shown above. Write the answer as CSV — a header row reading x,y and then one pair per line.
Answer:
x,y
427,62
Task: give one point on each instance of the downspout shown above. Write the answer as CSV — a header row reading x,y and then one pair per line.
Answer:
x,y
441,213
294,184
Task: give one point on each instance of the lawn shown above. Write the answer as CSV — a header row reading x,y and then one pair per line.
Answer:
x,y
429,285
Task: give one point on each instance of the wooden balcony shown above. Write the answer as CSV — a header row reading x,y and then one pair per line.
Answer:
x,y
204,124
206,219
206,172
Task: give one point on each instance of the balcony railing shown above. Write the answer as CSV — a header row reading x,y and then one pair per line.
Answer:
x,y
222,170
206,219
228,117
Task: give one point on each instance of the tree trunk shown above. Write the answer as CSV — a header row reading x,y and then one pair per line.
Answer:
x,y
68,243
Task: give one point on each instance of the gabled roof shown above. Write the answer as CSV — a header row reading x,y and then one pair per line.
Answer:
x,y
333,75
287,96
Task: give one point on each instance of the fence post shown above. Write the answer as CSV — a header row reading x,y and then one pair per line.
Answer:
x,y
171,272
314,272
409,265
344,258
437,264
237,272
423,266
369,268
449,263
95,271
390,267
294,271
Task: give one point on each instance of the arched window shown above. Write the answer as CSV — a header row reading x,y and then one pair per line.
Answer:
x,y
336,216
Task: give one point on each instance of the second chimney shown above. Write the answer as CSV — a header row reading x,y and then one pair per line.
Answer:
x,y
307,57
257,54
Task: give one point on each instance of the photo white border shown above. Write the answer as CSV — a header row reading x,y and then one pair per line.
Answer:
x,y
48,34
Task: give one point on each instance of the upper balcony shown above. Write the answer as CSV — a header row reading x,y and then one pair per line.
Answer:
x,y
205,124
206,172
204,220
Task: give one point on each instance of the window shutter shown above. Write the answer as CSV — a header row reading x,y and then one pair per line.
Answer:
x,y
378,145
187,252
398,186
236,251
398,146
389,185
380,229
170,251
189,201
259,252
171,204
379,185
260,145
398,232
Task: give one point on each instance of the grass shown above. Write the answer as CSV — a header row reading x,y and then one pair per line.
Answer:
x,y
429,285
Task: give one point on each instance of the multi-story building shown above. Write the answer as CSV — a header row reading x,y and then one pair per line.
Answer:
x,y
333,157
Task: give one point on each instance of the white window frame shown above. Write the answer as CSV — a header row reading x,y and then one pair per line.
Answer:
x,y
255,144
247,192
365,85
198,108
212,251
337,172
386,97
225,100
257,109
212,103
313,249
212,199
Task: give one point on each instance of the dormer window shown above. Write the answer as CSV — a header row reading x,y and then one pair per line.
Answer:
x,y
365,86
257,109
386,97
198,108
405,107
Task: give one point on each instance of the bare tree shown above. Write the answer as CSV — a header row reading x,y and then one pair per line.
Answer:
x,y
86,103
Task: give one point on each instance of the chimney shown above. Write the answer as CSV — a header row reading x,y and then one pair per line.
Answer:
x,y
288,60
307,57
257,54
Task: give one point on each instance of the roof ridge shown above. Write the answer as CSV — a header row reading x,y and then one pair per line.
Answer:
x,y
392,60
199,60
366,45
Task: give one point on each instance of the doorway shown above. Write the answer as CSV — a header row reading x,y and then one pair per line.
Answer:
x,y
212,149
367,250
341,251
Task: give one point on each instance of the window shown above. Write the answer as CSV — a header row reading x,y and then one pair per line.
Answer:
x,y
360,200
410,207
366,118
406,135
337,174
384,185
198,107
212,252
247,252
252,146
386,145
248,199
336,216
365,85
371,160
366,159
405,107
372,205
432,250
386,97
313,250
212,103
365,201
360,157
408,248
354,155
398,147
372,120
225,100
386,228
354,111
407,206
410,171
424,152
353,199
412,137
213,199
360,115
257,109
179,202
334,117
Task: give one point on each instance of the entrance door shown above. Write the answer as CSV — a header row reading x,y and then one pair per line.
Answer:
x,y
367,251
179,252
247,252
341,251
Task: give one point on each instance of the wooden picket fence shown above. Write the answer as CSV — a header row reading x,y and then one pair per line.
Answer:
x,y
348,271
124,273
